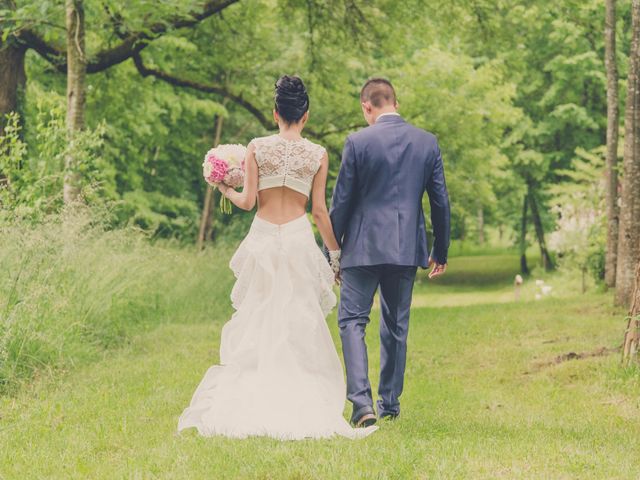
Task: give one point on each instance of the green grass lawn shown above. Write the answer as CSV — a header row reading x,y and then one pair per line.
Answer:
x,y
477,403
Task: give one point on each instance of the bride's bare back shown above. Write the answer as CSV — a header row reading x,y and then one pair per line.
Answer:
x,y
281,205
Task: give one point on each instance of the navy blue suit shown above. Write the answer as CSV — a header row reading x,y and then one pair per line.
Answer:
x,y
378,220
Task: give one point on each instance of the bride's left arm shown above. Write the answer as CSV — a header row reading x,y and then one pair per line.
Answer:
x,y
246,199
319,205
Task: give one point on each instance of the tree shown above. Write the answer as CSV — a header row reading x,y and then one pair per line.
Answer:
x,y
629,234
480,225
631,342
25,35
76,92
455,77
131,41
12,73
524,268
579,205
547,263
207,209
74,60
12,76
612,143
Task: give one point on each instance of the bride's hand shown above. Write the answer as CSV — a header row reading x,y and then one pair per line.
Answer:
x,y
334,263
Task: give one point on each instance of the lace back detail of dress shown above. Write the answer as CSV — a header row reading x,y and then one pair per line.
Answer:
x,y
286,163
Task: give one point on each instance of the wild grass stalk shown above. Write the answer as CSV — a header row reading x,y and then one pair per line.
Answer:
x,y
69,289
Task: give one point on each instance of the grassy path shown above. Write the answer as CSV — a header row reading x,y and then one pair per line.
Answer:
x,y
475,404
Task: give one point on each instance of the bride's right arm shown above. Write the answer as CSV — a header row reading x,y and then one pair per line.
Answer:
x,y
246,199
319,205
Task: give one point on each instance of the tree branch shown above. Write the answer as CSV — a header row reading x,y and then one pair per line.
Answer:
x,y
345,128
132,43
223,91
47,50
201,87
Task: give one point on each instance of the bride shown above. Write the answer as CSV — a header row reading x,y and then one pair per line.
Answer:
x,y
280,375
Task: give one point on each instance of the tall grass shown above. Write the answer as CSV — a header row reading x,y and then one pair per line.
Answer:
x,y
70,289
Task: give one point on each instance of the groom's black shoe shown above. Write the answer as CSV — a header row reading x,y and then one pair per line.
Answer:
x,y
387,413
364,417
389,416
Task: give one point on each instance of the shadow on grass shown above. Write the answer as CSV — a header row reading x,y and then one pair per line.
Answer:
x,y
477,272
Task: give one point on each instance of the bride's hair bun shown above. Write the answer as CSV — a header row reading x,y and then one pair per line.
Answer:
x,y
291,98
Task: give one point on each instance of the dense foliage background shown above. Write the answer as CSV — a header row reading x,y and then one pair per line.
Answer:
x,y
512,89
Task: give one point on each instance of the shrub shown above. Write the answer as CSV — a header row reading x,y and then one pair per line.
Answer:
x,y
159,215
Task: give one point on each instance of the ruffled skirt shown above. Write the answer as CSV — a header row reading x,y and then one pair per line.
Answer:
x,y
280,375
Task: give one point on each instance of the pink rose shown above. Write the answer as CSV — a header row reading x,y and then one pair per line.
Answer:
x,y
219,169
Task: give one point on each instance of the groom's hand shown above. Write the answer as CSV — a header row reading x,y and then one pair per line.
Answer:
x,y
437,270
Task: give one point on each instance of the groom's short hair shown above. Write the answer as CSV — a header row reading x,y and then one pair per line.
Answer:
x,y
379,92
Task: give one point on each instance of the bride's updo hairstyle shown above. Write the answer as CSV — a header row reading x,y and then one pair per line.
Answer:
x,y
291,98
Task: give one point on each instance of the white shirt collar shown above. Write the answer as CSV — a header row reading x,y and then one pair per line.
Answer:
x,y
387,113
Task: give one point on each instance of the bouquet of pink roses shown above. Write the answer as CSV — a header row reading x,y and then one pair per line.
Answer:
x,y
225,164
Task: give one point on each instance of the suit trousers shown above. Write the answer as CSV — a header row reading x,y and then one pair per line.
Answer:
x,y
359,285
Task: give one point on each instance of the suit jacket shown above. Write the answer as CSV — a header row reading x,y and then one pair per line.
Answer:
x,y
376,210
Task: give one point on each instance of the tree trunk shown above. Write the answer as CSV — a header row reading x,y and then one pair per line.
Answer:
x,y
463,228
207,211
632,333
12,83
524,268
76,78
205,218
629,230
547,263
12,78
208,228
612,143
480,225
12,74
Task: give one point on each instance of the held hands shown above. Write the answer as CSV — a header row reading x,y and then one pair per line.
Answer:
x,y
437,270
334,261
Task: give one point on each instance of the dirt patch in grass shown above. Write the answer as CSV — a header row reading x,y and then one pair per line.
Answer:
x,y
565,357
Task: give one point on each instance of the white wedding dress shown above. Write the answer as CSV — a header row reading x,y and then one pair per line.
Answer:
x,y
280,375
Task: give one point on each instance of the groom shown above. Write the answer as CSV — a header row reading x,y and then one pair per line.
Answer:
x,y
378,220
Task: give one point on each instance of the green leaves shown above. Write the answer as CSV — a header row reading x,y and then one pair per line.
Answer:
x,y
578,201
510,89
